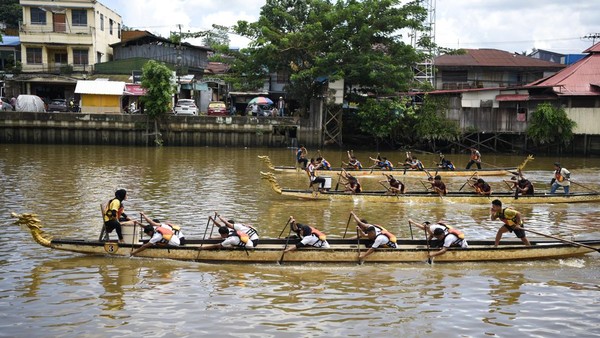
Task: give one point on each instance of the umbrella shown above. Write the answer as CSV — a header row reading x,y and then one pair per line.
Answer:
x,y
261,100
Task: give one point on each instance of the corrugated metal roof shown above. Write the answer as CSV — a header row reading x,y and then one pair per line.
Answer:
x,y
512,97
577,79
100,87
493,58
10,41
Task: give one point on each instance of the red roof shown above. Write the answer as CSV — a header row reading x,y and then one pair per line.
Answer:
x,y
581,78
493,58
512,97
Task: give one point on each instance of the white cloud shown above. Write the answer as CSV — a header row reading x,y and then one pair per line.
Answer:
x,y
511,25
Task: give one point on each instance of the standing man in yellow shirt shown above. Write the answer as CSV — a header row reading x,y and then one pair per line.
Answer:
x,y
512,219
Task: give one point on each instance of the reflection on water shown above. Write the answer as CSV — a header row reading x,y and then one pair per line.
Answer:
x,y
48,293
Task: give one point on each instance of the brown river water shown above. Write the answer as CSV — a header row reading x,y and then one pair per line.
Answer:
x,y
45,293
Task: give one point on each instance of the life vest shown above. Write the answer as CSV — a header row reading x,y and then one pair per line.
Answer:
x,y
559,177
394,183
510,222
454,231
251,230
108,211
356,164
166,234
175,228
244,238
391,238
326,164
317,233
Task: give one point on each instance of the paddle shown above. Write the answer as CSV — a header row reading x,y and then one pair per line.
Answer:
x,y
410,227
339,178
429,260
388,189
287,241
583,186
285,226
206,229
347,224
467,181
358,247
560,239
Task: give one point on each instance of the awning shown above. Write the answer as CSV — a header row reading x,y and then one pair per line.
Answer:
x,y
134,90
512,97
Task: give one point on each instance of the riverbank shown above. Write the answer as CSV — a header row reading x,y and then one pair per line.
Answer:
x,y
138,130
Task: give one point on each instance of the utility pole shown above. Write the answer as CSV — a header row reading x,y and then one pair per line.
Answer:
x,y
593,37
178,66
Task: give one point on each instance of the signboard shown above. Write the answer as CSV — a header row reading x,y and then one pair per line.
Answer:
x,y
212,80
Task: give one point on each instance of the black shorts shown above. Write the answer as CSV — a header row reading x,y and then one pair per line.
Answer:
x,y
520,233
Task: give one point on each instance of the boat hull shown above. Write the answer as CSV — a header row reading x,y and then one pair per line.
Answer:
x,y
400,172
341,251
460,197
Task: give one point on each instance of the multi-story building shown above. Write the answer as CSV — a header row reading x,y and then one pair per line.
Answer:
x,y
61,40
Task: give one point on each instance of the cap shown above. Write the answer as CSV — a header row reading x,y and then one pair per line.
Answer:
x,y
370,228
148,229
438,231
557,164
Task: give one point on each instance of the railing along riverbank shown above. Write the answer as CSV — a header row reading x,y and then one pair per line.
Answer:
x,y
137,130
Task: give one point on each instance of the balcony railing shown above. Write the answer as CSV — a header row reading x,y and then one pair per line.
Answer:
x,y
58,69
59,28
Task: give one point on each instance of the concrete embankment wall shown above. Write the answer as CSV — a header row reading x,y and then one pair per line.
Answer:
x,y
119,129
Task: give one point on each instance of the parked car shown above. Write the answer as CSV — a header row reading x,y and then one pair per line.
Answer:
x,y
31,103
217,108
263,110
58,105
186,107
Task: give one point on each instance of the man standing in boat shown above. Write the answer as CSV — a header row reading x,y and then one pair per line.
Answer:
x,y
310,236
158,236
475,158
512,219
114,214
560,179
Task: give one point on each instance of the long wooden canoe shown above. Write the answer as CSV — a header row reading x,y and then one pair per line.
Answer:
x,y
397,172
341,251
430,197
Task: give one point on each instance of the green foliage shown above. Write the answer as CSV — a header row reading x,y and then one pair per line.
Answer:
x,y
157,80
549,124
10,13
432,125
398,121
358,41
381,118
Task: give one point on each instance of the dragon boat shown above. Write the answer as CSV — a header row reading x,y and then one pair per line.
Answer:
x,y
398,172
341,250
428,196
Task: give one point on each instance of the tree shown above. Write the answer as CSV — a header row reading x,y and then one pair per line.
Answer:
x,y
431,123
157,80
549,125
358,41
381,118
10,13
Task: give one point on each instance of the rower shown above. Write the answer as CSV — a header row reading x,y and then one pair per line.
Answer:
x,y
161,236
450,238
309,235
512,219
396,187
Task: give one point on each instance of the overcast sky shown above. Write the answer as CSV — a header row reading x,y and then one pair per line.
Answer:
x,y
510,25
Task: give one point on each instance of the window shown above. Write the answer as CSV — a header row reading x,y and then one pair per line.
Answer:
x,y
80,57
38,16
283,76
110,26
101,22
119,30
454,76
79,17
34,56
